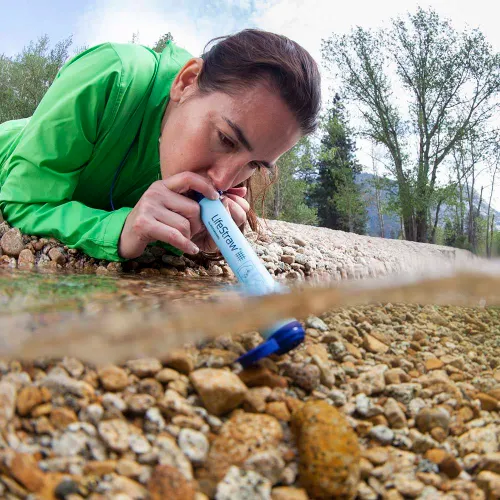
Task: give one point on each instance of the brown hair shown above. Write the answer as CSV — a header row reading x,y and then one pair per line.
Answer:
x,y
237,62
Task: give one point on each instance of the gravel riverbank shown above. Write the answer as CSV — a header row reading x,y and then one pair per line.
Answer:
x,y
387,401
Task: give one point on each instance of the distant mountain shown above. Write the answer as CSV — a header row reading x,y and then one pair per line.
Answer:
x,y
392,225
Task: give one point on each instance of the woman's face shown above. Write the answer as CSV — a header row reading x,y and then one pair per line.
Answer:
x,y
223,137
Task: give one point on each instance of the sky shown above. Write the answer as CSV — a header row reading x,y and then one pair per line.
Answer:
x,y
194,22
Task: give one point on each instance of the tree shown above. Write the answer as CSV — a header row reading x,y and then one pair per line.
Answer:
x,y
336,195
25,78
162,42
449,81
286,197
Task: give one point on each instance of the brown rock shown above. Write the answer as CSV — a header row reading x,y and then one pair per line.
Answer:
x,y
144,367
140,403
24,469
220,390
353,350
100,467
60,418
288,493
28,398
167,482
12,242
378,455
436,455
258,376
439,434
371,344
491,462
26,258
182,360
216,358
489,482
150,386
255,399
167,375
328,451
488,403
450,466
433,364
243,435
278,409
57,256
428,418
306,376
41,410
7,403
465,414
113,378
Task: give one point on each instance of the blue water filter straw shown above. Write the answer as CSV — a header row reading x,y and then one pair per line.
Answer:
x,y
281,337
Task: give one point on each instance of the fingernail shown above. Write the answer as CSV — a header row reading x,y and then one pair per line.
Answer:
x,y
194,249
215,196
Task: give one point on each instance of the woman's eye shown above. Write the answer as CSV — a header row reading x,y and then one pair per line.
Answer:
x,y
224,139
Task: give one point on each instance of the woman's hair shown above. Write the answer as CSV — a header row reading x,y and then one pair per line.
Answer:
x,y
252,56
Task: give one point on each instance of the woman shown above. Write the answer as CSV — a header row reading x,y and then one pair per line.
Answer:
x,y
108,160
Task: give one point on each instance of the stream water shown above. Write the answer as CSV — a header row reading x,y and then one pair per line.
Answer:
x,y
113,318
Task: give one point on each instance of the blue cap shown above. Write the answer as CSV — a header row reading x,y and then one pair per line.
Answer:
x,y
281,341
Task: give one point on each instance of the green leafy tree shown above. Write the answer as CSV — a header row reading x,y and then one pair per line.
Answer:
x,y
336,195
25,78
160,45
419,82
286,198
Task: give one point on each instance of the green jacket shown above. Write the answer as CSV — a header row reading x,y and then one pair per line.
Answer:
x,y
102,114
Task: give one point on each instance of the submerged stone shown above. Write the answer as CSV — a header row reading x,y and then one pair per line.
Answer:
x,y
329,452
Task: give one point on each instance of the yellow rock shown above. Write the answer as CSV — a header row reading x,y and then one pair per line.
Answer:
x,y
329,452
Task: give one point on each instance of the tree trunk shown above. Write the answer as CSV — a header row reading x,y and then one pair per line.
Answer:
x,y
436,219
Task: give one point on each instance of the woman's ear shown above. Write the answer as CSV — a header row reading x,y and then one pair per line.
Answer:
x,y
186,81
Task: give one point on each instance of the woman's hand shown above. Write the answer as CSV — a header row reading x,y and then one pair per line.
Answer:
x,y
235,203
164,214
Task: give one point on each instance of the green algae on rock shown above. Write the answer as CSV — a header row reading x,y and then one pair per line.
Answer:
x,y
329,454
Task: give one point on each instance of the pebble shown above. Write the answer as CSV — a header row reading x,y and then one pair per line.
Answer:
x,y
489,482
315,322
115,433
268,464
395,415
243,435
194,445
305,376
382,434
144,367
329,453
243,485
287,493
12,242
167,482
260,376
371,344
429,418
113,378
408,486
171,454
220,390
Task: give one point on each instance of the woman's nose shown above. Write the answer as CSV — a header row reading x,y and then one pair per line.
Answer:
x,y
224,176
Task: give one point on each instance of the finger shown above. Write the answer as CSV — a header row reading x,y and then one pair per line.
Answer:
x,y
172,236
176,221
240,201
189,181
236,211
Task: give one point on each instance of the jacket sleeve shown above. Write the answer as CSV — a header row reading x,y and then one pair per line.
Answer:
x,y
58,141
